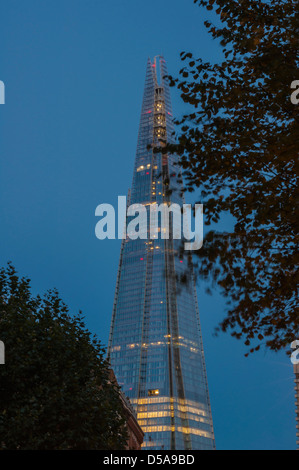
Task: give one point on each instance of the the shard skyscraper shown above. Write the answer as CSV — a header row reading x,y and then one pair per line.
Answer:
x,y
155,344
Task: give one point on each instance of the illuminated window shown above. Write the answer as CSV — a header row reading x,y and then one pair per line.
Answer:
x,y
153,392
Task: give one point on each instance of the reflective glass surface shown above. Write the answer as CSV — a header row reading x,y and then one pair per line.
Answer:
x,y
155,344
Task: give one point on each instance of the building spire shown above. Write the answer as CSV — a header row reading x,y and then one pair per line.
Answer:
x,y
155,345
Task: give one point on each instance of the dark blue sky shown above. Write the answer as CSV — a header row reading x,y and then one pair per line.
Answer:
x,y
74,74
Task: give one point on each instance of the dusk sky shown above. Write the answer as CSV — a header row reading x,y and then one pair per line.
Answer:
x,y
74,73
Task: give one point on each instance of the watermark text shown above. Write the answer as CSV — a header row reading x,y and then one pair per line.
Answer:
x,y
2,92
2,353
295,94
176,222
295,354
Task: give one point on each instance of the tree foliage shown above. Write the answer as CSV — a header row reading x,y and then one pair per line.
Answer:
x,y
55,391
238,147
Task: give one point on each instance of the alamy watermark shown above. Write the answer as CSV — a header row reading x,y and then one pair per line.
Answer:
x,y
295,94
2,92
178,226
295,354
2,353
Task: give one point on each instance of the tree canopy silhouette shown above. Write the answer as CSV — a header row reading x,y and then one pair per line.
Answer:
x,y
238,147
55,391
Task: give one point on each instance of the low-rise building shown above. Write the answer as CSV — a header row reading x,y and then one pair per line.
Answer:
x,y
135,433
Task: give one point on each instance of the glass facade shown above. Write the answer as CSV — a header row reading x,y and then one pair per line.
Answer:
x,y
155,344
